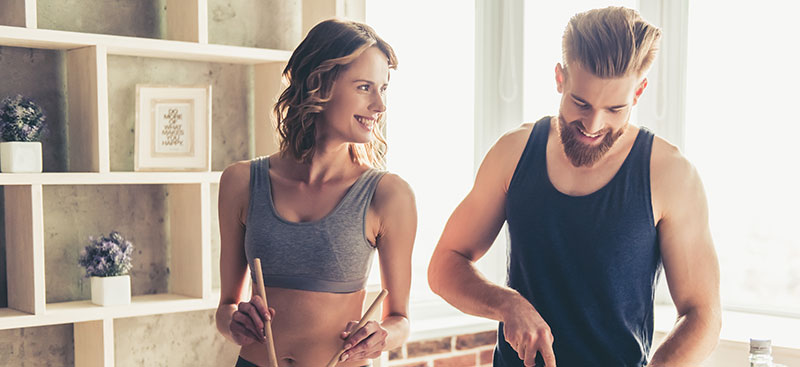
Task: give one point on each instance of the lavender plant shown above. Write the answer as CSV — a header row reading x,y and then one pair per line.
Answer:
x,y
21,119
107,256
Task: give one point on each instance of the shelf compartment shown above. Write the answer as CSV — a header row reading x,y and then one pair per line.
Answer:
x,y
24,249
183,20
231,109
94,343
267,89
82,311
88,109
145,305
70,88
18,13
190,23
41,76
145,19
190,253
112,178
164,222
315,11
131,46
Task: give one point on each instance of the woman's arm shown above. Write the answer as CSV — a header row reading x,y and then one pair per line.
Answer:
x,y
241,327
394,205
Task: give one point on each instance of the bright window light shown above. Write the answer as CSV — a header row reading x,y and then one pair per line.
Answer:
x,y
741,134
430,115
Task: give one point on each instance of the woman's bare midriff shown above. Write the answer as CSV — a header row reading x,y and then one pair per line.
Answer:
x,y
307,327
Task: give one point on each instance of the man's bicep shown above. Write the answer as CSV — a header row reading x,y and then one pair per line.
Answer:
x,y
687,250
477,220
474,225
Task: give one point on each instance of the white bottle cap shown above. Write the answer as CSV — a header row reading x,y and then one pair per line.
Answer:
x,y
760,346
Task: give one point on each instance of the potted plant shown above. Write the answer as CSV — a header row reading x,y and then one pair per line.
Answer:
x,y
107,261
21,126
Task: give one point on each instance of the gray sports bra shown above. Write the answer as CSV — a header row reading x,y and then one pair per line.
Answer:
x,y
328,255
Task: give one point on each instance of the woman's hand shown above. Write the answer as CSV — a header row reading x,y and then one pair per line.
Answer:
x,y
365,343
247,322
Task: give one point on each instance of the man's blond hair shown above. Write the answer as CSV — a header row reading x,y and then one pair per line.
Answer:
x,y
610,42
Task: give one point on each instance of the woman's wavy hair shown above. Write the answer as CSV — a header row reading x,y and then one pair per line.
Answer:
x,y
326,51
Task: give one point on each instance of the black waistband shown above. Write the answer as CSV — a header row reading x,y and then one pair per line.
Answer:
x,y
241,362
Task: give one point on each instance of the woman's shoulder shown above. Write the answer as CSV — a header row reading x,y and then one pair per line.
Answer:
x,y
236,176
393,191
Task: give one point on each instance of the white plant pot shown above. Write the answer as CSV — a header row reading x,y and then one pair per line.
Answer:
x,y
20,156
111,291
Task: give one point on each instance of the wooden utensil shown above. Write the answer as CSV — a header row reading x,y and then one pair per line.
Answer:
x,y
364,319
272,359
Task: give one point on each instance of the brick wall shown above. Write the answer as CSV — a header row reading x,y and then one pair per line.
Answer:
x,y
470,350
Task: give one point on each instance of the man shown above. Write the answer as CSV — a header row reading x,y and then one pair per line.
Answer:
x,y
594,206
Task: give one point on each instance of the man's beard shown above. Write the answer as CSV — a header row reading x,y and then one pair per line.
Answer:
x,y
581,154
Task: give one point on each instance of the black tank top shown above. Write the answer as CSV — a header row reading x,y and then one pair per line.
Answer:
x,y
588,264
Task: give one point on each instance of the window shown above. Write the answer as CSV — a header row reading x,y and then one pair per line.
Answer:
x,y
741,134
429,130
738,129
544,26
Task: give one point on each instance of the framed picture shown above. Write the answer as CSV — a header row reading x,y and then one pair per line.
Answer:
x,y
173,128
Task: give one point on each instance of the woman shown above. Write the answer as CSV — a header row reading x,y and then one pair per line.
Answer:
x,y
317,211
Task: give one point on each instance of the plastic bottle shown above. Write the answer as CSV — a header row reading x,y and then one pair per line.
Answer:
x,y
761,353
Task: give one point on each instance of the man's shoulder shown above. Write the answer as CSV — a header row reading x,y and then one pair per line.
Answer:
x,y
513,142
501,160
674,180
667,160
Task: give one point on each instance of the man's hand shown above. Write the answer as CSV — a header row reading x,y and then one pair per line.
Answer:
x,y
526,332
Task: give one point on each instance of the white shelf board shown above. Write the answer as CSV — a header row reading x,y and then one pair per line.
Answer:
x,y
80,311
112,178
144,47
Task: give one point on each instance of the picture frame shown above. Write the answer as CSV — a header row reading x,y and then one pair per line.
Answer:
x,y
173,128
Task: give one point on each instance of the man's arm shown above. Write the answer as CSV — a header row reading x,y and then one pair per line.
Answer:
x,y
690,261
469,233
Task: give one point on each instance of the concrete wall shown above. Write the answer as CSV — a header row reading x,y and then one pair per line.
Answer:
x,y
185,339
255,23
139,211
136,18
37,346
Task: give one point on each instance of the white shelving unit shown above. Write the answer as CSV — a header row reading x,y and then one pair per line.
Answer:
x,y
88,161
